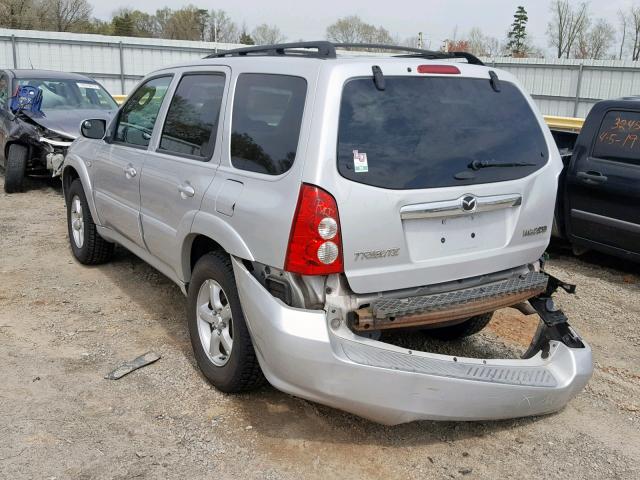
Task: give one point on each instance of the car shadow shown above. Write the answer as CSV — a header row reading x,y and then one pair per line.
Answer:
x,y
280,416
592,260
41,182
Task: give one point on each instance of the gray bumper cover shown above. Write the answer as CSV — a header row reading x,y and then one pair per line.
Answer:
x,y
299,354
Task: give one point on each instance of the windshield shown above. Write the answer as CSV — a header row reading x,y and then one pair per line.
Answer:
x,y
64,94
423,132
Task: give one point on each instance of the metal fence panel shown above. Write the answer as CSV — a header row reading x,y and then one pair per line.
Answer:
x,y
117,62
569,87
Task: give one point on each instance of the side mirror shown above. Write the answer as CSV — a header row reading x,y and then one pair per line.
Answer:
x,y
94,128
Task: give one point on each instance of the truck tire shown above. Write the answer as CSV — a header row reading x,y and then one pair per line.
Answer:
x,y
461,330
219,336
86,243
15,169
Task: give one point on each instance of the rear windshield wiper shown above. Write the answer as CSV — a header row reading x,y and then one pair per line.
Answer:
x,y
479,164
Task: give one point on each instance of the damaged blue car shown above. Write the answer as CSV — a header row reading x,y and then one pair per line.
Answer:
x,y
40,116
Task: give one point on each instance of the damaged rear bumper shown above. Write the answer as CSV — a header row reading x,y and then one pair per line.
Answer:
x,y
304,353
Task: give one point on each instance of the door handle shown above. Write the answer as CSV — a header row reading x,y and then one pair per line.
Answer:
x,y
130,172
592,178
186,190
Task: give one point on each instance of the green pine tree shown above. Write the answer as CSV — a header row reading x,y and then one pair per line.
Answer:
x,y
246,39
517,36
123,25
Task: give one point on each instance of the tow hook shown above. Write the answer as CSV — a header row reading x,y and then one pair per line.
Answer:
x,y
554,323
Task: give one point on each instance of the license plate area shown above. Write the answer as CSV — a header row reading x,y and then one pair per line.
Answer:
x,y
429,238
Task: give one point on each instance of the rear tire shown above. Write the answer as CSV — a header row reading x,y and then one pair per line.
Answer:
x,y
86,243
219,335
16,168
462,330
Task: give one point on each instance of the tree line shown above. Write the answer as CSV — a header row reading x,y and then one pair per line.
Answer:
x,y
572,30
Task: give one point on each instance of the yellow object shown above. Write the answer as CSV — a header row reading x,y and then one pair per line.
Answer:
x,y
564,123
119,98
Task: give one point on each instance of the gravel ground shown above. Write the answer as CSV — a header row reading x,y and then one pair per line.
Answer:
x,y
64,326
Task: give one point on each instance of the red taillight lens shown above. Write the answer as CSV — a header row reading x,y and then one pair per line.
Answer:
x,y
315,244
439,69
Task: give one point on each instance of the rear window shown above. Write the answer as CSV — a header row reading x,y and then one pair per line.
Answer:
x,y
619,137
267,115
421,132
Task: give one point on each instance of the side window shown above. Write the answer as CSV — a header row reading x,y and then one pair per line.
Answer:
x,y
4,89
619,137
138,115
192,120
267,115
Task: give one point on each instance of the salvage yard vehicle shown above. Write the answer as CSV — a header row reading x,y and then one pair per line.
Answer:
x,y
599,194
306,201
40,115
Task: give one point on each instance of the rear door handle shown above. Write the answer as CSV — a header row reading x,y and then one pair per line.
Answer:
x,y
592,178
129,171
186,190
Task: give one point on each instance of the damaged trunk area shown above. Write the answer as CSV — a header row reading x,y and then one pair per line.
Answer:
x,y
435,318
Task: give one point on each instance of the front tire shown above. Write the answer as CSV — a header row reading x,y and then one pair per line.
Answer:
x,y
86,243
16,168
221,342
461,330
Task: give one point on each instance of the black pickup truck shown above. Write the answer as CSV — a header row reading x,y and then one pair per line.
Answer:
x,y
599,191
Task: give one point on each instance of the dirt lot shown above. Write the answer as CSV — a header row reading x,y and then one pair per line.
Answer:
x,y
64,326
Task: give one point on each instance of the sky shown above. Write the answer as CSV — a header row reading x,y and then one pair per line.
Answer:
x,y
437,19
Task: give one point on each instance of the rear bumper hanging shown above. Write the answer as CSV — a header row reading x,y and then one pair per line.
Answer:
x,y
315,355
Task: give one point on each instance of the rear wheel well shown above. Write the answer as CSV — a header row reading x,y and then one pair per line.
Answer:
x,y
200,246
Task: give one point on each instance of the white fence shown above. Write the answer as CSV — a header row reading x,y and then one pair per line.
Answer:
x,y
561,87
116,62
569,88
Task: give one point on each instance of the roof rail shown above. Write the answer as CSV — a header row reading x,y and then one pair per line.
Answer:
x,y
414,52
322,49
325,50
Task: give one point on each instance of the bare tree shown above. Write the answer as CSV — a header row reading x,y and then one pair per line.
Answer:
x,y
345,30
634,14
353,30
267,35
476,42
65,15
221,28
601,38
566,25
188,23
17,14
623,32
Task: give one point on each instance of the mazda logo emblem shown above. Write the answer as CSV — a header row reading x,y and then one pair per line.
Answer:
x,y
469,203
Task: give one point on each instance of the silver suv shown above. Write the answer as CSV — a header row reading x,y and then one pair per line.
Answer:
x,y
306,201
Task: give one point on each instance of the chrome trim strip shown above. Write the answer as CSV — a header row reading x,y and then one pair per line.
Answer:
x,y
453,208
56,143
606,221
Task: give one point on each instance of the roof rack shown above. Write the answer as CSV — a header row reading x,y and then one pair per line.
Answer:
x,y
299,49
327,50
414,52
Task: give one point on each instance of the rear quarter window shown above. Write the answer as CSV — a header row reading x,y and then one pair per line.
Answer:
x,y
619,137
267,116
420,132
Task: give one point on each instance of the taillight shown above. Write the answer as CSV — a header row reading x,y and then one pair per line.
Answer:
x,y
315,245
439,69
